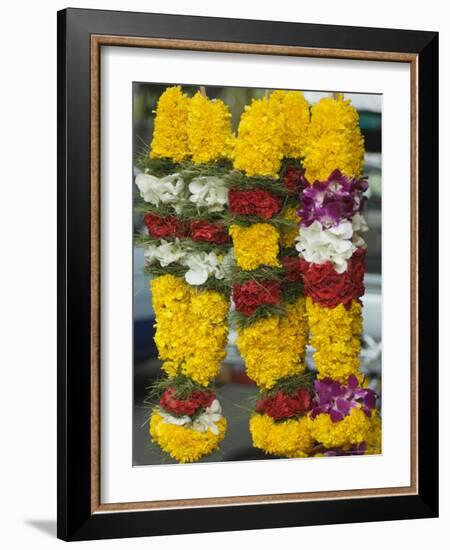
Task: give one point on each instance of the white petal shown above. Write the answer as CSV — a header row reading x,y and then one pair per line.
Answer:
x,y
196,277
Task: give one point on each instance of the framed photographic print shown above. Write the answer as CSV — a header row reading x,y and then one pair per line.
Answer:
x,y
247,262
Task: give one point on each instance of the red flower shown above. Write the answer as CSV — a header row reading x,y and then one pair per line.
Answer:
x,y
160,227
293,268
252,294
253,203
197,400
282,405
328,288
209,232
293,179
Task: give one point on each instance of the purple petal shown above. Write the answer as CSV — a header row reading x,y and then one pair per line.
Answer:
x,y
335,416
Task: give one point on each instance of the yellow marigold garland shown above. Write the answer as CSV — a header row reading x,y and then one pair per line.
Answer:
x,y
335,335
274,347
209,129
290,438
255,245
185,444
170,138
296,121
334,140
354,429
259,143
191,328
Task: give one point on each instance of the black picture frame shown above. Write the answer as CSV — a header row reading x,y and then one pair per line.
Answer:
x,y
76,519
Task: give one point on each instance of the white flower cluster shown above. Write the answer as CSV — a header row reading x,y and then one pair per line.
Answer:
x,y
336,244
201,265
209,192
204,422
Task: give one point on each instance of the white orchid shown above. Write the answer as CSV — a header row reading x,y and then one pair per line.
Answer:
x,y
165,253
319,245
204,422
207,420
210,192
166,190
201,266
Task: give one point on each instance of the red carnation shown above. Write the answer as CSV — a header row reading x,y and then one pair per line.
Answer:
x,y
197,400
209,232
282,405
253,203
252,294
160,227
293,180
328,288
293,268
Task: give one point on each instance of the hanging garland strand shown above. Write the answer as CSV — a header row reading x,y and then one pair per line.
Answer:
x,y
187,254
344,418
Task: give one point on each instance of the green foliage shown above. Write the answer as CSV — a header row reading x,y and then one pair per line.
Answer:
x,y
291,384
242,321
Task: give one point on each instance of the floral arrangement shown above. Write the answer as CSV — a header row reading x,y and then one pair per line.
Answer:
x,y
343,418
187,422
269,221
187,249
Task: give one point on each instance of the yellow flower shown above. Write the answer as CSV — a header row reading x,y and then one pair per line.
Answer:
x,y
255,245
296,121
355,428
373,439
274,347
209,129
259,144
191,328
290,438
288,235
336,338
170,138
185,444
334,140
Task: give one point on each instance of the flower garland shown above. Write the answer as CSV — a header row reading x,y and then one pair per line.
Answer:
x,y
343,417
187,422
267,293
280,232
187,249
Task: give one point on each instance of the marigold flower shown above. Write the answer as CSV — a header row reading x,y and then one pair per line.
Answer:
x,y
191,328
182,443
354,429
296,120
209,129
336,338
290,438
255,245
274,347
260,139
335,141
170,137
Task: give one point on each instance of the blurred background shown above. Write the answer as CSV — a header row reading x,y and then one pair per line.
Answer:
x,y
236,391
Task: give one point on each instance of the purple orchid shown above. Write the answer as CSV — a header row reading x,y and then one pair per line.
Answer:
x,y
338,400
332,200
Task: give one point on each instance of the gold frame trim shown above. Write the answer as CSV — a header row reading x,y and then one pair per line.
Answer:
x,y
97,41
